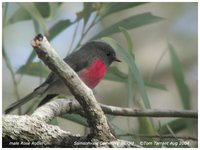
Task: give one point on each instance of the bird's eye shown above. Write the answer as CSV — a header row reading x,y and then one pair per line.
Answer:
x,y
108,54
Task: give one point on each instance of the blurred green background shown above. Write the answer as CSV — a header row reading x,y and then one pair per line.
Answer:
x,y
160,71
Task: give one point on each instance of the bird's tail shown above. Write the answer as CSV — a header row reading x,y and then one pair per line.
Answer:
x,y
22,101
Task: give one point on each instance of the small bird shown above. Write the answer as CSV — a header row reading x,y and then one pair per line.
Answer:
x,y
90,62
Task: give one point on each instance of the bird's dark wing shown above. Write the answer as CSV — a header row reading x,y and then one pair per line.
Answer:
x,y
75,61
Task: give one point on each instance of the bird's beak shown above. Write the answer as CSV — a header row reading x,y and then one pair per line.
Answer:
x,y
116,59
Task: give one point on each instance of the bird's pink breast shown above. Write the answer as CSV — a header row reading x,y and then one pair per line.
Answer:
x,y
94,73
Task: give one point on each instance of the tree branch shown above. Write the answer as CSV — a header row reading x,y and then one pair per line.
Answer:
x,y
63,106
95,116
123,111
55,108
33,131
26,131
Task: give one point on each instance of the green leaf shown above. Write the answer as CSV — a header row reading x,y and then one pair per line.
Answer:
x,y
177,125
33,11
59,27
19,15
86,12
76,118
128,39
22,14
130,81
114,74
129,23
53,8
43,8
155,85
146,126
133,68
113,77
130,84
178,75
34,69
110,8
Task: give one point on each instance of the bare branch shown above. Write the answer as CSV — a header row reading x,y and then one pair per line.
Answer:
x,y
62,106
56,108
95,116
26,131
25,128
123,111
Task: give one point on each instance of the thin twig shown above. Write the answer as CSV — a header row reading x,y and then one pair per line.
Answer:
x,y
123,111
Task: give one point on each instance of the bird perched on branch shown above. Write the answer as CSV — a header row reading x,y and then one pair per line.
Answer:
x,y
90,62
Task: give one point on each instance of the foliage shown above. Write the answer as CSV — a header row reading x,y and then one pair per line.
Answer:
x,y
91,15
179,78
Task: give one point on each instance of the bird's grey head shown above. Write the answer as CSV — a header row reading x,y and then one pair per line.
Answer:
x,y
101,50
